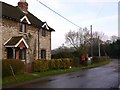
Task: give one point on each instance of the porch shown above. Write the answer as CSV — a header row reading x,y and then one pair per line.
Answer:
x,y
16,48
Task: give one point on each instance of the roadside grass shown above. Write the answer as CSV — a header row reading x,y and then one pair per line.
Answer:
x,y
18,79
98,64
30,76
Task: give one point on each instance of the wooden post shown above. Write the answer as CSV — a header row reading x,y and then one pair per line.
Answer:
x,y
91,42
99,46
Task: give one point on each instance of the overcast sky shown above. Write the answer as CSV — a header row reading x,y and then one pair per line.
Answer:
x,y
102,14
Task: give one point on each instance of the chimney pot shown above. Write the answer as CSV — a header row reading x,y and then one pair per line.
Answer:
x,y
23,5
22,0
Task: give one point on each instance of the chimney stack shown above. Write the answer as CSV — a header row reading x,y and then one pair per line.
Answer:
x,y
23,5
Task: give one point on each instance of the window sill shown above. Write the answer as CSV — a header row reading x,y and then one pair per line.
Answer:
x,y
43,36
23,61
22,33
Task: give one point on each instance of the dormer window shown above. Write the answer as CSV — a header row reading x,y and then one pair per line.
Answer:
x,y
45,27
23,27
24,21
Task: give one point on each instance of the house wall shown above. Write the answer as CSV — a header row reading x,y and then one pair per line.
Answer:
x,y
44,42
11,28
0,39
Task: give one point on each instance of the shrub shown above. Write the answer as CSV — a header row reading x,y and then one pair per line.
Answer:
x,y
35,65
76,62
52,64
40,65
57,64
44,65
17,66
5,68
62,63
66,63
99,59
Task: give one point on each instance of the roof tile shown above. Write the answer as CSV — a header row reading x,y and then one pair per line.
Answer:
x,y
13,41
16,14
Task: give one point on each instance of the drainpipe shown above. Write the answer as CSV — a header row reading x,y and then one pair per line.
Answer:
x,y
38,42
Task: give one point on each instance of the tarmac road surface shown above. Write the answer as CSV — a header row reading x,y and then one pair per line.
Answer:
x,y
100,77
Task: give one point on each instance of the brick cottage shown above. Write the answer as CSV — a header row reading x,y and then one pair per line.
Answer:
x,y
24,36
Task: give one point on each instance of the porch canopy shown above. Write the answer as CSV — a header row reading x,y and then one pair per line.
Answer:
x,y
16,41
16,48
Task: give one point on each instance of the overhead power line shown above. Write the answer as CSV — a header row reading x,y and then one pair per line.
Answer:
x,y
58,14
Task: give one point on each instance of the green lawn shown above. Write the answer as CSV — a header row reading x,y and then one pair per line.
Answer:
x,y
30,76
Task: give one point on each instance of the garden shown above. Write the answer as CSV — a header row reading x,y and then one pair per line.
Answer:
x,y
13,71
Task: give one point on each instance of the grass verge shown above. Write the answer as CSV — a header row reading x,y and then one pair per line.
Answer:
x,y
31,76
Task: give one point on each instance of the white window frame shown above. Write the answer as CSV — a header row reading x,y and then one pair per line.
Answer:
x,y
22,28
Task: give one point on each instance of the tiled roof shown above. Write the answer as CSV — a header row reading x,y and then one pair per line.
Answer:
x,y
13,41
16,14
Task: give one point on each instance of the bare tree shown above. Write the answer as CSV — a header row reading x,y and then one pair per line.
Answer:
x,y
114,38
77,38
97,34
81,39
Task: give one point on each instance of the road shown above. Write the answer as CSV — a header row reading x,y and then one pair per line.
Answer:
x,y
100,77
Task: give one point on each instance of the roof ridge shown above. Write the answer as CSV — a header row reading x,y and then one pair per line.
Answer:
x,y
34,16
7,4
14,13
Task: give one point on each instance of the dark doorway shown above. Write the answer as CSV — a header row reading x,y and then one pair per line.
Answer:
x,y
9,53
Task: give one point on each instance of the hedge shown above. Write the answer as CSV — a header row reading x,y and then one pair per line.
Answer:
x,y
40,65
17,66
44,65
97,59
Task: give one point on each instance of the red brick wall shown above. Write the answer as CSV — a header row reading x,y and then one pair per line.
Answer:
x,y
17,54
22,45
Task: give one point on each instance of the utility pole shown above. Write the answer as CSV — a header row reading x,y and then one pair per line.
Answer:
x,y
99,46
91,41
